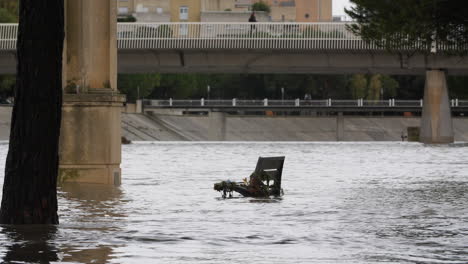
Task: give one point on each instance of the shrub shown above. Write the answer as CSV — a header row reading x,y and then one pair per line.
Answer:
x,y
261,6
127,19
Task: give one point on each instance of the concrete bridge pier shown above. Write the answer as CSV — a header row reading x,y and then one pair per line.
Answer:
x,y
436,121
90,141
217,126
340,127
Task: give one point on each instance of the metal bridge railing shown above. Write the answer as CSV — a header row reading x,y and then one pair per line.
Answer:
x,y
293,103
268,36
286,36
8,35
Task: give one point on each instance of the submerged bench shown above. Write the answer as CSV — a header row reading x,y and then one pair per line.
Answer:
x,y
264,181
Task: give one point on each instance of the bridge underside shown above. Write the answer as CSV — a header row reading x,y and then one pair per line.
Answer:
x,y
234,61
252,61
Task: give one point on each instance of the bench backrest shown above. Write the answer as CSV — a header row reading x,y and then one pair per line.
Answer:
x,y
273,166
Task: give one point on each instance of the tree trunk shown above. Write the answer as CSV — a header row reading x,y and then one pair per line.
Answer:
x,y
30,186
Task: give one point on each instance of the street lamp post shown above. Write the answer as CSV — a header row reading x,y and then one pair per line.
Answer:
x,y
282,94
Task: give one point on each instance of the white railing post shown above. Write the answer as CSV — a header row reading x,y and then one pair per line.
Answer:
x,y
202,102
452,102
329,102
297,102
393,102
390,102
234,102
421,102
456,102
265,102
170,101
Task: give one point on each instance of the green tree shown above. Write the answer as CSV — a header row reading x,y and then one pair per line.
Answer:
x,y
7,84
358,86
411,23
126,19
375,87
138,86
6,16
9,11
261,6
390,86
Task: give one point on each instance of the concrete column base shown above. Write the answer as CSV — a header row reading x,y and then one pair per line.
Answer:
x,y
436,120
90,140
99,174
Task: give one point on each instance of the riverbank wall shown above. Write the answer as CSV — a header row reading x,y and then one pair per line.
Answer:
x,y
224,127
220,127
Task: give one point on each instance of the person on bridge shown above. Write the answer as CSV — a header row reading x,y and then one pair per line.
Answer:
x,y
252,19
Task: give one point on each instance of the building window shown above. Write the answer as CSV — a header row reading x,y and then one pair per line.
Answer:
x,y
123,10
142,9
183,13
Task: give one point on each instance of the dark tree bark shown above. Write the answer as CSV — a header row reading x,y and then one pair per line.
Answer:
x,y
30,186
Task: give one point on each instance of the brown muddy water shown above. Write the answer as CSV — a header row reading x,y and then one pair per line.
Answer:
x,y
343,203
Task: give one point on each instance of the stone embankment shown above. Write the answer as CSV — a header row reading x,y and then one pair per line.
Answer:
x,y
214,127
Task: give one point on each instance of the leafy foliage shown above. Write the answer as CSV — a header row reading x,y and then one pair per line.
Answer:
x,y
7,17
127,19
9,11
138,85
417,23
261,6
258,86
7,83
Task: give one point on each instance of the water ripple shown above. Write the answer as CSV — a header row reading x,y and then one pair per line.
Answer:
x,y
344,203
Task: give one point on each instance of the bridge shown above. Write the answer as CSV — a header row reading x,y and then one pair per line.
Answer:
x,y
97,48
322,48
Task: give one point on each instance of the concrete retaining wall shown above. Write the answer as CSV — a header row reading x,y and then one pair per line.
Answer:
x,y
247,128
250,128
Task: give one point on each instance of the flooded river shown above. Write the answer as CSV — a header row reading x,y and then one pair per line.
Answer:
x,y
343,203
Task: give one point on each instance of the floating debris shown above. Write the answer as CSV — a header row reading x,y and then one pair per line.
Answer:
x,y
126,141
265,181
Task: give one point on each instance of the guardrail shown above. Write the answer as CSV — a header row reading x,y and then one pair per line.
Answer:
x,y
291,103
270,36
8,35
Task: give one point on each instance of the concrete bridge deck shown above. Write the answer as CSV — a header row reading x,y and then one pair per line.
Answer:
x,y
323,48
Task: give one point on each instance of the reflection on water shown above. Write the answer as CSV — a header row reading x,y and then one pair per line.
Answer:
x,y
30,244
87,217
94,207
343,203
